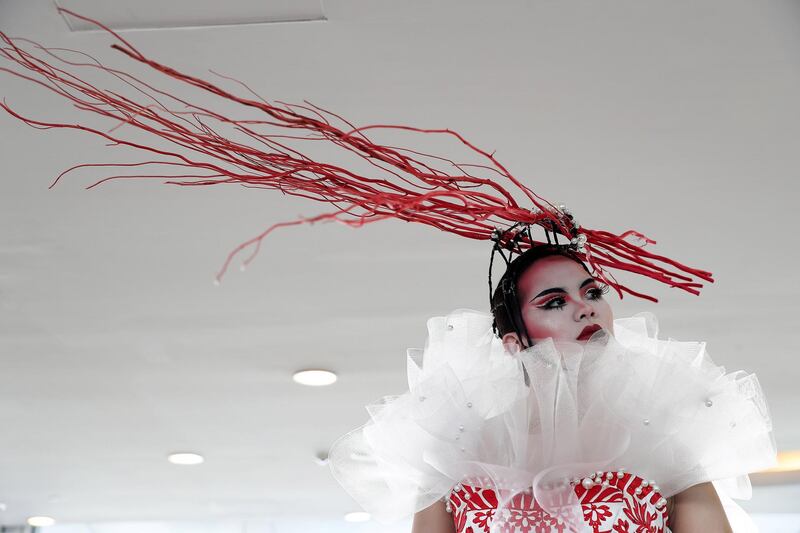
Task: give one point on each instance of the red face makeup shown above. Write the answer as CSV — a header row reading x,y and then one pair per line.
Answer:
x,y
560,300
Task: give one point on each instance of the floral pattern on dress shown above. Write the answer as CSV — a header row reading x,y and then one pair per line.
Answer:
x,y
624,504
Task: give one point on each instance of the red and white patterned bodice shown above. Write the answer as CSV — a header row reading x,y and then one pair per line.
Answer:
x,y
614,502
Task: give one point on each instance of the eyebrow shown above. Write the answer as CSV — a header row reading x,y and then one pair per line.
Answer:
x,y
586,282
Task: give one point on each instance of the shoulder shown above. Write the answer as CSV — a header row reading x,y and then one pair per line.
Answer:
x,y
698,508
433,519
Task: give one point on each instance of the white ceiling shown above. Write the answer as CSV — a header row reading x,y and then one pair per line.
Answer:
x,y
680,119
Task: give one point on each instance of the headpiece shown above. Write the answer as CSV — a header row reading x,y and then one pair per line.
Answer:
x,y
269,148
504,299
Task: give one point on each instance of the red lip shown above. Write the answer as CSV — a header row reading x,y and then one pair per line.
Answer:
x,y
587,332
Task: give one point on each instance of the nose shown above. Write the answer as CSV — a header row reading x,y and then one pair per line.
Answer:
x,y
583,310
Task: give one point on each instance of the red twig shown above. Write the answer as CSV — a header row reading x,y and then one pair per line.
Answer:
x,y
267,152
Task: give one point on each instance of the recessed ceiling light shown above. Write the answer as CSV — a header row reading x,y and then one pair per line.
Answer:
x,y
314,378
184,458
40,521
358,516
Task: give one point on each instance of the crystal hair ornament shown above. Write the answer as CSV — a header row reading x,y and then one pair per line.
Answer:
x,y
187,143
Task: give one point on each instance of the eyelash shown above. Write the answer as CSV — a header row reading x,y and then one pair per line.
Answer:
x,y
598,292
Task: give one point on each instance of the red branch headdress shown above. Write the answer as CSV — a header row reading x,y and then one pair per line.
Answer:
x,y
207,147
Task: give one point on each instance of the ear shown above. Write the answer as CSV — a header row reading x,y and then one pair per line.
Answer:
x,y
511,343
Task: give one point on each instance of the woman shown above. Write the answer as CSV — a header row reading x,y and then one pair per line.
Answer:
x,y
539,425
549,309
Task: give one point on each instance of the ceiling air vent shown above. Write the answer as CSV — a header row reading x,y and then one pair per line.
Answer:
x,y
170,14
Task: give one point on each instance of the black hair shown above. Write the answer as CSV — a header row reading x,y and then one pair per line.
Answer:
x,y
505,300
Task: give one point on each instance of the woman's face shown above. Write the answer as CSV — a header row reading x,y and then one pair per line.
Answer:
x,y
559,299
